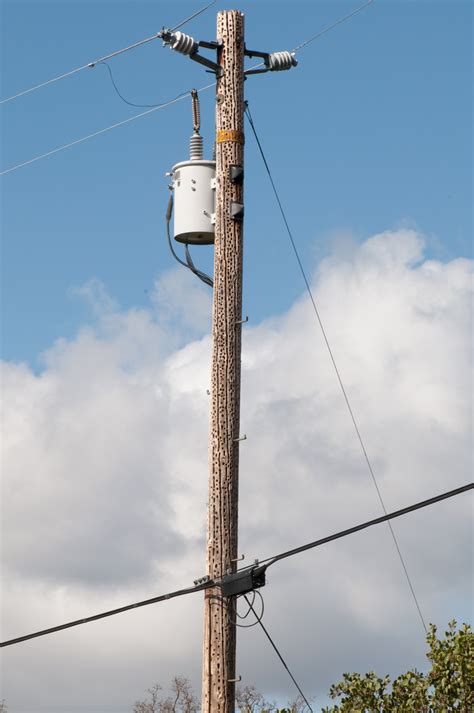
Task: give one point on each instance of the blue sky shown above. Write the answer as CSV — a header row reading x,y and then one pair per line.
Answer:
x,y
106,347
372,130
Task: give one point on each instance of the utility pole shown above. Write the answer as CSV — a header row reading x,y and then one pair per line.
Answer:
x,y
219,675
219,658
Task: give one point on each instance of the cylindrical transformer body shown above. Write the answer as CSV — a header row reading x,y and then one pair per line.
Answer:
x,y
194,200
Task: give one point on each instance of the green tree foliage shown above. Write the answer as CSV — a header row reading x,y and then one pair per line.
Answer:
x,y
448,685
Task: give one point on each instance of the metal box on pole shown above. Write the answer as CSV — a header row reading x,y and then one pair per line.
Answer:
x,y
193,184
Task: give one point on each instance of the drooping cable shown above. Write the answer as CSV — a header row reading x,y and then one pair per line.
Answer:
x,y
242,617
333,360
91,65
111,612
117,90
265,631
189,264
101,131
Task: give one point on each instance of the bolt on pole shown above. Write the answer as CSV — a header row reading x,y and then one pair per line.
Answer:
x,y
219,651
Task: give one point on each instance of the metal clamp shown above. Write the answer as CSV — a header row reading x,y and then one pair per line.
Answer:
x,y
236,211
236,174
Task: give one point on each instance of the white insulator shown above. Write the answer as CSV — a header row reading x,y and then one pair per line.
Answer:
x,y
195,147
278,61
183,43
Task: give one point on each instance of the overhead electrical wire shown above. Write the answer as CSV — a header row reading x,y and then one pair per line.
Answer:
x,y
265,631
158,106
96,133
117,90
330,27
91,65
111,612
179,97
270,560
370,523
333,360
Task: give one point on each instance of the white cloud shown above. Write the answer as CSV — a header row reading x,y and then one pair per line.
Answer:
x,y
105,479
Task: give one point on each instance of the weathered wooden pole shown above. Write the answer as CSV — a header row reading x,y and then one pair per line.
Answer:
x,y
219,673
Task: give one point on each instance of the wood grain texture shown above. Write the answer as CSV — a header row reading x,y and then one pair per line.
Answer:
x,y
219,629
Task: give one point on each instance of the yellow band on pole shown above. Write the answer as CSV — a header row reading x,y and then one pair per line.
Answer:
x,y
230,135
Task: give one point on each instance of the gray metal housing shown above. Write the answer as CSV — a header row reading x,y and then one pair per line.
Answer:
x,y
193,185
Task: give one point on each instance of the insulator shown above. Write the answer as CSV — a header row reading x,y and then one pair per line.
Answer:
x,y
195,147
196,110
183,43
279,61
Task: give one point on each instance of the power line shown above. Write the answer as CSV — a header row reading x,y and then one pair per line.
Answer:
x,y
269,561
334,24
259,621
323,331
191,17
137,116
101,131
330,538
91,65
111,612
365,525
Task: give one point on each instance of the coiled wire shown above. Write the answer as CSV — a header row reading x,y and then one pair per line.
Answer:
x,y
196,109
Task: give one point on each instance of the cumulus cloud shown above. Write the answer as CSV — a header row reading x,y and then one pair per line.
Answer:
x,y
105,479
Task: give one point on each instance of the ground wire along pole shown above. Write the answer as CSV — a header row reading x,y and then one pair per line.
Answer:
x,y
218,695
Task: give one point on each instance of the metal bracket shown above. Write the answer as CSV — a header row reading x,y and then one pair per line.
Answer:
x,y
234,680
256,53
212,45
273,61
241,438
263,55
243,321
236,211
207,63
239,559
236,174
